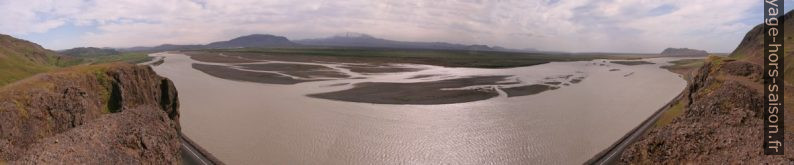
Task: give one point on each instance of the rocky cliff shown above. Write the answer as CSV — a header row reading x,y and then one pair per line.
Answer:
x,y
98,114
722,117
721,121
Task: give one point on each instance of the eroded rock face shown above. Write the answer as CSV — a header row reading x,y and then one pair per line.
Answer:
x,y
115,113
720,124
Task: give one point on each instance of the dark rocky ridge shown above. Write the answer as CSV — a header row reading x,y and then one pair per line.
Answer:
x,y
684,52
112,113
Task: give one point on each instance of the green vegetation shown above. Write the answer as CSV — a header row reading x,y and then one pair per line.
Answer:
x,y
109,92
453,58
20,59
669,114
89,52
13,68
16,67
716,62
104,93
686,64
132,58
685,67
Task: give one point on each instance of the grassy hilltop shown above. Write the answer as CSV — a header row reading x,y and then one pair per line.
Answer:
x,y
20,59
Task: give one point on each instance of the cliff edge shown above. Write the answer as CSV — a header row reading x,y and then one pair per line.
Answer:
x,y
96,114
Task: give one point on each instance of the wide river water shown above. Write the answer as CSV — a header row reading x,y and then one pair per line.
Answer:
x,y
254,123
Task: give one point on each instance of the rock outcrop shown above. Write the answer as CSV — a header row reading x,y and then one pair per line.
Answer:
x,y
98,114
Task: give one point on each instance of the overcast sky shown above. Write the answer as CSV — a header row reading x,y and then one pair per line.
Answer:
x,y
558,25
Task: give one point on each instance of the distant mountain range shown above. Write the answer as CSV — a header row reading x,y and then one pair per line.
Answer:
x,y
254,40
364,40
358,40
348,40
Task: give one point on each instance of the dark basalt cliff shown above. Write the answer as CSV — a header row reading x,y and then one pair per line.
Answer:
x,y
98,114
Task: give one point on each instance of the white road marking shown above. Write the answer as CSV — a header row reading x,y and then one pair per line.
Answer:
x,y
194,154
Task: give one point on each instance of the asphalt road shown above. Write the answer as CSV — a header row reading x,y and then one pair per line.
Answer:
x,y
192,155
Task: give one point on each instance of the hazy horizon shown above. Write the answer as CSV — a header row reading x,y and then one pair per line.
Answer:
x,y
549,25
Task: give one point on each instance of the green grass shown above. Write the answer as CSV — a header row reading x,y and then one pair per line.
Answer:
x,y
17,67
686,64
14,68
132,58
685,67
669,114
